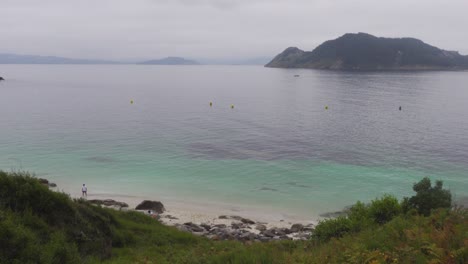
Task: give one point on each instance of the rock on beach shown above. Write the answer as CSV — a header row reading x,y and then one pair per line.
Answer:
x,y
151,205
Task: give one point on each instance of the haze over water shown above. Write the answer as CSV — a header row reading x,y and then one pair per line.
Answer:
x,y
277,149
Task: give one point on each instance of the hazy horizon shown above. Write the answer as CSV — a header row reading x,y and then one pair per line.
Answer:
x,y
220,30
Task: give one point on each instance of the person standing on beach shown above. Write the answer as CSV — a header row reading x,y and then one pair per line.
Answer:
x,y
84,190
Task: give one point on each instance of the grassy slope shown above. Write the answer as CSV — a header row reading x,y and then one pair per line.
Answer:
x,y
40,226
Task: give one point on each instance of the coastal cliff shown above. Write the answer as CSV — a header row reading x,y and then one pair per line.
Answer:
x,y
363,51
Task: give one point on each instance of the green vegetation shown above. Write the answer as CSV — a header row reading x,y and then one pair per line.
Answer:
x,y
380,211
41,226
428,198
359,217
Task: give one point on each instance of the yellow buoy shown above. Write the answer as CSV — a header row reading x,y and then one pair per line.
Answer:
x,y
131,101
211,103
326,107
232,106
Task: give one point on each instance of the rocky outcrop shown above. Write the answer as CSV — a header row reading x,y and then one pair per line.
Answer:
x,y
260,227
246,232
194,228
151,205
364,52
297,227
286,59
1,78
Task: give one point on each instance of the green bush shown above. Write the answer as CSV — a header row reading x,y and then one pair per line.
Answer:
x,y
41,226
359,217
16,241
428,198
58,250
329,228
384,209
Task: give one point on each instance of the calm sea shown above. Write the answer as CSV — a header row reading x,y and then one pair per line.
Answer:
x,y
278,148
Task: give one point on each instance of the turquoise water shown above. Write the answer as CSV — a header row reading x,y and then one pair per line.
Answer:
x,y
277,149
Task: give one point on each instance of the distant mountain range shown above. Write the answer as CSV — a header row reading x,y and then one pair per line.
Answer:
x,y
6,58
170,61
363,51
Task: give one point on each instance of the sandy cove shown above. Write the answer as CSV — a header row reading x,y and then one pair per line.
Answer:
x,y
215,220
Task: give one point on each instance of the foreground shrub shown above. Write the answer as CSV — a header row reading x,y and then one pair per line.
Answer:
x,y
332,228
428,198
384,209
41,226
439,238
359,217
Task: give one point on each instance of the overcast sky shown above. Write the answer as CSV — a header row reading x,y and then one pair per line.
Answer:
x,y
215,29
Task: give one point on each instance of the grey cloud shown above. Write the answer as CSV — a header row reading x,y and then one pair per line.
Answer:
x,y
119,29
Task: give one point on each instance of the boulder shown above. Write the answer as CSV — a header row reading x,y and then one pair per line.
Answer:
x,y
213,230
194,227
296,228
246,236
151,205
235,225
261,227
236,217
224,234
43,181
206,226
247,221
51,184
1,78
279,232
268,233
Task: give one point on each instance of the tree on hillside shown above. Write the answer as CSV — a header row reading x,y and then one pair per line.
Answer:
x,y
428,197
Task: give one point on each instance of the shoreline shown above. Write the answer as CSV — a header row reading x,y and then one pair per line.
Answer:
x,y
216,220
200,212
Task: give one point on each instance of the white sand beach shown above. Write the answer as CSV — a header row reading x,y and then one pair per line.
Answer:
x,y
183,211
